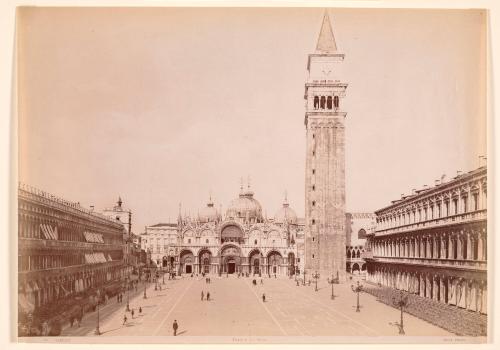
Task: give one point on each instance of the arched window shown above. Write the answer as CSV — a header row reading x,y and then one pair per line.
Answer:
x,y
358,255
336,101
329,102
316,102
322,103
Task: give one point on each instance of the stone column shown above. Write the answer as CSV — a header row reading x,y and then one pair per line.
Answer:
x,y
469,247
442,290
422,285
435,288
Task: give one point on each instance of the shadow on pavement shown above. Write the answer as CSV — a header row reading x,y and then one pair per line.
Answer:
x,y
181,332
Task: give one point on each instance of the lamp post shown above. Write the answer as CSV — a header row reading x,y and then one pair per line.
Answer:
x,y
401,303
97,331
304,283
316,277
163,274
128,292
145,285
332,281
358,289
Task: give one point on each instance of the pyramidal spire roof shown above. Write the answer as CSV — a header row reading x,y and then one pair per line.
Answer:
x,y
326,40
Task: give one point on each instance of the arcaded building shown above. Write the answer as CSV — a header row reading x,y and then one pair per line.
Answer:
x,y
433,242
63,249
242,240
358,226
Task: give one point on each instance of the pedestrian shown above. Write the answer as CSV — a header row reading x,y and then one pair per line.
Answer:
x,y
175,326
140,310
261,281
202,295
263,298
132,313
208,296
124,319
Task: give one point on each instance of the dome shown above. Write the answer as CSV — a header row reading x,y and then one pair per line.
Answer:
x,y
245,207
209,213
286,214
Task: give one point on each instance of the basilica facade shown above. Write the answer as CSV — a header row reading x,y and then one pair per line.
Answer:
x,y
240,241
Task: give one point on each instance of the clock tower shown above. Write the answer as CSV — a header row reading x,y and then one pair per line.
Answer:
x,y
325,160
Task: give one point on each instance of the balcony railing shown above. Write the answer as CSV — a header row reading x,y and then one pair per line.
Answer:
x,y
453,263
33,243
437,222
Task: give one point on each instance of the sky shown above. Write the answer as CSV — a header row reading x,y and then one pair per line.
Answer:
x,y
167,106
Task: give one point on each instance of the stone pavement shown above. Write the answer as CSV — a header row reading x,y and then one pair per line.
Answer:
x,y
236,309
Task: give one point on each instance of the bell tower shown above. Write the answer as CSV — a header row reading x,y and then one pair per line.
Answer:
x,y
325,160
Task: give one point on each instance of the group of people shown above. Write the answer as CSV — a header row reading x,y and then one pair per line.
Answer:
x,y
254,282
132,313
203,296
208,280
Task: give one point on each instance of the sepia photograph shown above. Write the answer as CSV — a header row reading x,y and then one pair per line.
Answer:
x,y
251,175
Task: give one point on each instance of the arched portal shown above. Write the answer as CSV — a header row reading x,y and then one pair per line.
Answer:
x,y
164,262
205,258
186,262
255,261
275,260
230,258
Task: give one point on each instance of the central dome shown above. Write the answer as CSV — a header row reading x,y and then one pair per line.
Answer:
x,y
245,207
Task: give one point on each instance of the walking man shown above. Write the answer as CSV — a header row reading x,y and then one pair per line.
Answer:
x,y
263,297
124,319
208,296
140,310
202,295
175,326
132,312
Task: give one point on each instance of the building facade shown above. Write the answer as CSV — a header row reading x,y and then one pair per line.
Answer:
x,y
358,226
242,241
325,159
160,241
63,248
433,243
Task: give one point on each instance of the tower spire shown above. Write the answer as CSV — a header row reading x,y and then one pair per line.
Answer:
x,y
326,40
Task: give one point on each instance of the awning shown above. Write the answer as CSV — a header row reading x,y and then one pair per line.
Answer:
x,y
24,303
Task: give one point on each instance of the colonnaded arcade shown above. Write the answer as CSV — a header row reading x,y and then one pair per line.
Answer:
x,y
433,242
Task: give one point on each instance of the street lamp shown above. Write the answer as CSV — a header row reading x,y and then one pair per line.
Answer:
x,y
304,283
401,303
358,289
127,285
316,277
97,331
332,281
145,285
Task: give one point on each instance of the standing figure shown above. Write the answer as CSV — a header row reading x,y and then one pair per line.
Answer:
x,y
140,310
124,319
263,297
202,295
132,313
208,296
175,326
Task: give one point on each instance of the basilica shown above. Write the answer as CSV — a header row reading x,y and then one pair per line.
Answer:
x,y
241,241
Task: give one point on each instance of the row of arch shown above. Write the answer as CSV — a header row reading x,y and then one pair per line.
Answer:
x,y
466,293
325,102
42,290
457,245
230,260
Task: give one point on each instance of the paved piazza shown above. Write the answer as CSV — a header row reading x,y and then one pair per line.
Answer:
x,y
236,309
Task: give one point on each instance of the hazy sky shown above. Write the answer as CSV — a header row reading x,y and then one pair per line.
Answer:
x,y
162,106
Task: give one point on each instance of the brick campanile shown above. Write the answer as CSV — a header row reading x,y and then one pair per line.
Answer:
x,y
325,160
